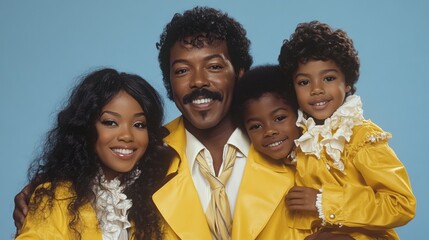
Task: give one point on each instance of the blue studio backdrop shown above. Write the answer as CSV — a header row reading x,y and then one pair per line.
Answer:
x,y
47,45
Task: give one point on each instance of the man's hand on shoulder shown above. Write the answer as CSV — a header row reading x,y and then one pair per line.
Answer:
x,y
21,207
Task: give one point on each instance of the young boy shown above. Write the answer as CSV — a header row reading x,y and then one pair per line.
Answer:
x,y
266,108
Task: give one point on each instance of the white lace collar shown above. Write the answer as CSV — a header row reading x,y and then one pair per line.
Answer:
x,y
333,134
111,206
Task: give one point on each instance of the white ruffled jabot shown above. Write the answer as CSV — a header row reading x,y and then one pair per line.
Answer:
x,y
333,134
111,206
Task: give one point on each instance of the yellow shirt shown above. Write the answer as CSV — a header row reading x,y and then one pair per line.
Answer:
x,y
373,191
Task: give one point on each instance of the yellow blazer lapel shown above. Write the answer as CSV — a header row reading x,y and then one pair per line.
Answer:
x,y
262,189
177,200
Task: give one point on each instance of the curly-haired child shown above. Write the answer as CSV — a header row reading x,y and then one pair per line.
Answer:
x,y
348,178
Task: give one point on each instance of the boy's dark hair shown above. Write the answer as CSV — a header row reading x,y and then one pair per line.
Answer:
x,y
258,81
206,26
318,41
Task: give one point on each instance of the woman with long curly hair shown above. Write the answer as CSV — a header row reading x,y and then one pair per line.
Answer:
x,y
100,164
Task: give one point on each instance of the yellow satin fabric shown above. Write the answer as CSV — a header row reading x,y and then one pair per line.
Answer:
x,y
373,193
260,211
54,224
218,212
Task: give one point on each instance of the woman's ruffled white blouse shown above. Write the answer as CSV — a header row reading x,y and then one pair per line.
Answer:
x,y
111,206
333,134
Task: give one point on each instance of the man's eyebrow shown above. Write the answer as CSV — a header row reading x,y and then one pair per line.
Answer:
x,y
212,56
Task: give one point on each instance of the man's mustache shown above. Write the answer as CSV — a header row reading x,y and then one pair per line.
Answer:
x,y
201,93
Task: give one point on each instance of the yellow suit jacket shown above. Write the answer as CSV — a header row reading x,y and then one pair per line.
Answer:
x,y
370,197
53,224
260,211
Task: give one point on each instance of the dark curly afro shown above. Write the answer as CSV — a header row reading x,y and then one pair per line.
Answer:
x,y
205,26
318,41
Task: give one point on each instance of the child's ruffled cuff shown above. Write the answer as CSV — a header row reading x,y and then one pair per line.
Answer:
x,y
319,207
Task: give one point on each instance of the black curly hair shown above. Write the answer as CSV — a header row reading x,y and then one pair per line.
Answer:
x,y
318,41
258,81
69,150
205,26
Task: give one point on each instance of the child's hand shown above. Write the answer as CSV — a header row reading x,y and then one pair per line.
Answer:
x,y
302,199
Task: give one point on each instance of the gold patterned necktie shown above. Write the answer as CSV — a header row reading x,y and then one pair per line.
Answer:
x,y
218,213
